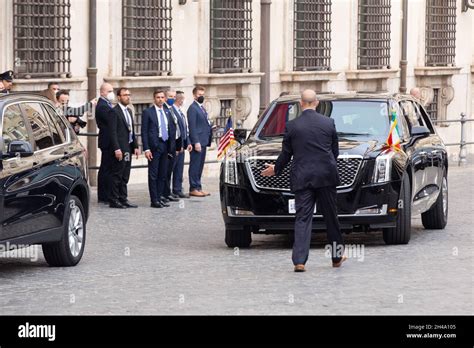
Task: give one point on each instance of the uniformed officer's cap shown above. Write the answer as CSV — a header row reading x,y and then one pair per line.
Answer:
x,y
7,76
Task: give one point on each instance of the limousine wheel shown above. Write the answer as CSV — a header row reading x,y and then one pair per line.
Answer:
x,y
437,217
402,232
68,251
238,238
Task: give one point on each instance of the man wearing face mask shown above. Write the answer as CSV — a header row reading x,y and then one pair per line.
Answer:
x,y
102,112
200,133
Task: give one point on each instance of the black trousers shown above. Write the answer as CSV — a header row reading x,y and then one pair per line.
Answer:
x,y
120,173
169,172
326,198
104,176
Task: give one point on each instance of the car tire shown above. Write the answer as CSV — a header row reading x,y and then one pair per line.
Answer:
x,y
69,250
437,217
238,238
402,232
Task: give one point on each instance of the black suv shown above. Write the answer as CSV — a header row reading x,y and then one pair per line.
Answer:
x,y
376,180
44,195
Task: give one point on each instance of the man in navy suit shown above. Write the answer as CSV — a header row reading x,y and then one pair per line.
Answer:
x,y
311,139
178,166
159,146
123,144
200,133
102,112
176,146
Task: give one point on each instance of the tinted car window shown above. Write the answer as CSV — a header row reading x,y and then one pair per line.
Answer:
x,y
39,125
59,134
14,127
423,115
357,117
411,113
282,113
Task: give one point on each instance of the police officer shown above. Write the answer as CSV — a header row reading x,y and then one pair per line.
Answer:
x,y
6,81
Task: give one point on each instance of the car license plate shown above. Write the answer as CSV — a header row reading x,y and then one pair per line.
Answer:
x,y
292,208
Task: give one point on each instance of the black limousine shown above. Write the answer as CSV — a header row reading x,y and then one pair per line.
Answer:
x,y
377,181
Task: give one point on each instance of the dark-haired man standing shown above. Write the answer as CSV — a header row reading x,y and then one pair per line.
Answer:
x,y
158,138
123,144
200,133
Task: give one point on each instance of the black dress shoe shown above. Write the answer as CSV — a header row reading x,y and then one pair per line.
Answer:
x,y
129,204
116,204
164,199
181,195
156,205
172,199
164,204
174,195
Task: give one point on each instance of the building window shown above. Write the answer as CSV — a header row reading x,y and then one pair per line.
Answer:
x,y
231,36
373,49
440,42
432,108
146,37
312,34
41,38
137,121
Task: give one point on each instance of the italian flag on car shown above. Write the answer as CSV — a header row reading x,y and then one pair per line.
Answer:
x,y
393,140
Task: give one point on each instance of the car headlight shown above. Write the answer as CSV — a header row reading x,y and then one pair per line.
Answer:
x,y
230,170
383,167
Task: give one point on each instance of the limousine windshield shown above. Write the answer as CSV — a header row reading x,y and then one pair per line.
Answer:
x,y
368,119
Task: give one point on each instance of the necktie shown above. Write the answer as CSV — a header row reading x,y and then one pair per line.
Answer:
x,y
129,122
185,123
163,128
205,114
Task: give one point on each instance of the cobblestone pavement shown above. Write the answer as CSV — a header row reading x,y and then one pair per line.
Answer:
x,y
174,261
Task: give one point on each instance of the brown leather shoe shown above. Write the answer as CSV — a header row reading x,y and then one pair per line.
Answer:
x,y
299,268
196,193
205,193
338,264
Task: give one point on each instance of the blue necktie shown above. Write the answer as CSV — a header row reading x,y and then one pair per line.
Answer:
x,y
163,128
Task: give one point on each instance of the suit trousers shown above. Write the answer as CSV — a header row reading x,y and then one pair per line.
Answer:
x,y
104,175
120,173
326,198
178,171
196,165
157,170
169,172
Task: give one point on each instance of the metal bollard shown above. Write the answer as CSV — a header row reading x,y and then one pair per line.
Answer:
x,y
462,143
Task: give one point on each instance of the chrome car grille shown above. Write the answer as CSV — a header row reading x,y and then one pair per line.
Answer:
x,y
347,166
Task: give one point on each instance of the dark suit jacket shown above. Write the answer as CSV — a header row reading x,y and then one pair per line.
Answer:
x,y
185,141
176,145
311,140
119,131
199,128
102,113
150,131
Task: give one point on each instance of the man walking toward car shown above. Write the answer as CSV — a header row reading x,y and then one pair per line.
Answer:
x,y
311,140
124,145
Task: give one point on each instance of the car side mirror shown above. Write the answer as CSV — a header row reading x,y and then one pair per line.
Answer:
x,y
21,148
240,135
420,131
